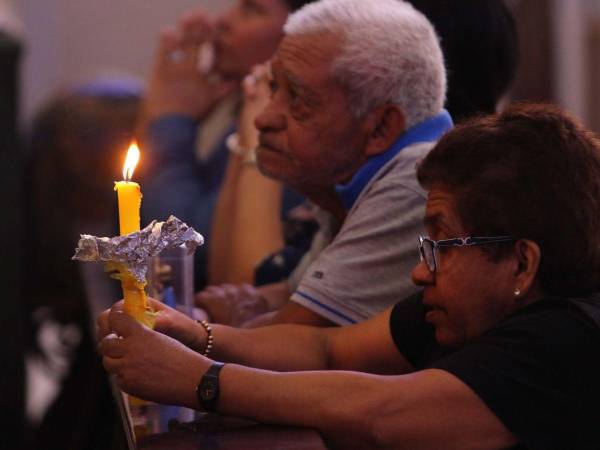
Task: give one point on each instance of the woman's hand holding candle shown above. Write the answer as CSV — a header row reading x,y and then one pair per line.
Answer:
x,y
145,362
168,321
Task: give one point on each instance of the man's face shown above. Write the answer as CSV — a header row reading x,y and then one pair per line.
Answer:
x,y
248,34
308,137
469,293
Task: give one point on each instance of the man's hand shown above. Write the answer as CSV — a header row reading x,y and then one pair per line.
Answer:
x,y
230,304
257,93
148,364
168,321
177,85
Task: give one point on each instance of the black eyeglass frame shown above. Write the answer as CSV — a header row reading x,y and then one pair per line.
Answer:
x,y
457,242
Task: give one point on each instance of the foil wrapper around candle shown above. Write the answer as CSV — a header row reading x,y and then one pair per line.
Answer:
x,y
128,255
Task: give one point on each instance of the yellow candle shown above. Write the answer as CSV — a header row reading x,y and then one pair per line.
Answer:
x,y
130,201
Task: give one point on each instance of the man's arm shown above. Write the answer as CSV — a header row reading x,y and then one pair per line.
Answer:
x,y
247,225
245,306
221,227
290,313
241,305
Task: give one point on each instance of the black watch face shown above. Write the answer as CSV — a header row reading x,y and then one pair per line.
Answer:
x,y
208,390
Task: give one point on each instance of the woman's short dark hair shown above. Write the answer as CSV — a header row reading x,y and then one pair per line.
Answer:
x,y
294,5
532,172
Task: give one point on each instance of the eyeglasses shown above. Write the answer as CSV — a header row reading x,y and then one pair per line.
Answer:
x,y
427,247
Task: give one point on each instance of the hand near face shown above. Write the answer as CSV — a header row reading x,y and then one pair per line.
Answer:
x,y
168,321
256,97
149,364
231,304
177,85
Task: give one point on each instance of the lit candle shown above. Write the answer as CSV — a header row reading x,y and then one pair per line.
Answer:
x,y
129,193
130,200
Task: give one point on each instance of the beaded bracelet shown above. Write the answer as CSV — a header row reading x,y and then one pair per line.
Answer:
x,y
209,338
248,154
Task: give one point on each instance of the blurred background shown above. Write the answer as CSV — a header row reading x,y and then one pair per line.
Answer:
x,y
69,41
50,52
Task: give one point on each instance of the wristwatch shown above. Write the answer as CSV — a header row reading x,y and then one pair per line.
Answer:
x,y
207,390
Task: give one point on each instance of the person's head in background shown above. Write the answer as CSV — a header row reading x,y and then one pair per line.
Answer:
x,y
78,144
248,34
76,150
480,45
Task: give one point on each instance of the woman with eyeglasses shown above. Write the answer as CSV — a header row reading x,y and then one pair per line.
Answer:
x,y
501,349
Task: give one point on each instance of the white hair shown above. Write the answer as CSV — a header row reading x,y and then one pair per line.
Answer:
x,y
389,53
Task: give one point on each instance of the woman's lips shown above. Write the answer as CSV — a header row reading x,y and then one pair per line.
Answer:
x,y
432,311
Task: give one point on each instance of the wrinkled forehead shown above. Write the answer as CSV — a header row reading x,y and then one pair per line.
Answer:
x,y
307,51
441,214
307,60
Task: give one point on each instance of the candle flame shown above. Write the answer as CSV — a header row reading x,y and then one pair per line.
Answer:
x,y
133,156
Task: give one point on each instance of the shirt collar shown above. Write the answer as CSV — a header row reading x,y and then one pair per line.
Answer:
x,y
429,130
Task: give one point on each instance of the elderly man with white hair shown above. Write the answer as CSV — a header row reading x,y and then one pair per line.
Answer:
x,y
357,95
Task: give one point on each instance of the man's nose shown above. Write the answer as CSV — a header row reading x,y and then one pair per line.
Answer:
x,y
421,275
270,119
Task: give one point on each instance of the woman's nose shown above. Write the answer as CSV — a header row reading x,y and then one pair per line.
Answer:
x,y
421,275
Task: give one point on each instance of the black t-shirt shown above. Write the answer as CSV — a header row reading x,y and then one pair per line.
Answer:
x,y
538,370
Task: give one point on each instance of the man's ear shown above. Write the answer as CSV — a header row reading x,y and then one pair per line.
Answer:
x,y
386,123
529,256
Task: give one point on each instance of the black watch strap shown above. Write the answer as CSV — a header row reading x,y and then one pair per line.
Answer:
x,y
207,390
